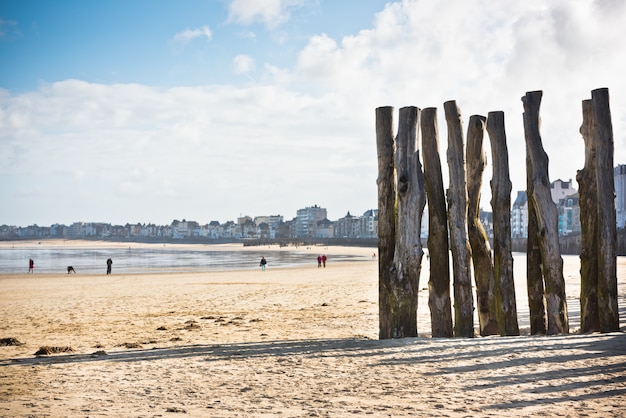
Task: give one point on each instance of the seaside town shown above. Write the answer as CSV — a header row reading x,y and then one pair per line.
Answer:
x,y
311,222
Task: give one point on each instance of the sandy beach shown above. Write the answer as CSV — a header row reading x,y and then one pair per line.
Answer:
x,y
287,342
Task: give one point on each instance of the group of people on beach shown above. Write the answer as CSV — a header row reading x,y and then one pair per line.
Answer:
x,y
321,262
70,269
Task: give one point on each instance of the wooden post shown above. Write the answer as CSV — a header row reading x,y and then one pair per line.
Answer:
x,y
607,228
439,280
588,201
479,242
501,205
457,223
411,199
547,217
534,271
386,217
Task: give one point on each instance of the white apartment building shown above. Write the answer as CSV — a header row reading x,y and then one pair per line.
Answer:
x,y
368,224
306,221
619,173
519,216
560,189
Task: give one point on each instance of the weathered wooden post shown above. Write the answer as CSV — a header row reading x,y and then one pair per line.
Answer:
x,y
476,161
386,218
534,271
439,280
457,222
540,201
411,199
501,206
405,195
588,201
607,228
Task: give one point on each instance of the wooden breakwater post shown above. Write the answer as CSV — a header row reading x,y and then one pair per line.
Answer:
x,y
506,306
476,161
598,294
588,202
457,224
401,201
546,216
438,247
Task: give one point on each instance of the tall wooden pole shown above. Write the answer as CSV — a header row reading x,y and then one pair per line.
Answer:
x,y
386,218
534,273
607,228
438,250
411,199
457,222
501,205
481,250
547,217
588,202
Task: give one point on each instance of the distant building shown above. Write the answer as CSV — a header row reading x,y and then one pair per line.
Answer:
x,y
560,189
214,230
347,227
368,224
325,229
569,215
271,220
486,220
519,216
307,219
619,173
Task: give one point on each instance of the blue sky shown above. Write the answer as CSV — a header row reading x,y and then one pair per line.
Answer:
x,y
149,111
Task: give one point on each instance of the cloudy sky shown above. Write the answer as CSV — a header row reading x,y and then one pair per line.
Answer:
x,y
150,110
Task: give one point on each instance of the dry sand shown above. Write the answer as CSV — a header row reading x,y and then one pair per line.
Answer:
x,y
284,342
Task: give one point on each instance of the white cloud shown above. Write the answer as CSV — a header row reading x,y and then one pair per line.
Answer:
x,y
272,13
485,56
197,152
9,29
189,35
243,64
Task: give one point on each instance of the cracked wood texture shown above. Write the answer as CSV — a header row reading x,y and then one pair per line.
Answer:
x,y
588,202
457,224
438,250
501,206
540,201
386,221
607,228
479,242
411,200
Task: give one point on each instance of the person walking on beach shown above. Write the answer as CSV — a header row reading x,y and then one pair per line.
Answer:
x,y
109,264
31,265
263,263
324,258
319,261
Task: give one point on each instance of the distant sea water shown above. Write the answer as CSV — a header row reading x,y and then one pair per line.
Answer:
x,y
51,259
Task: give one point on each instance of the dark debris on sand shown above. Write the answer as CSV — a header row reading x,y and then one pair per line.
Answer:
x,y
47,350
6,342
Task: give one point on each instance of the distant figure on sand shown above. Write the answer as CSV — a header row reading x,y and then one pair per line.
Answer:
x,y
70,269
263,263
109,263
324,258
31,266
319,261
